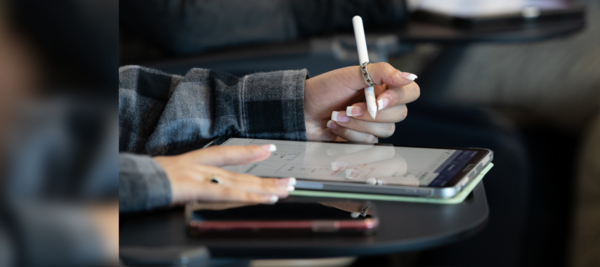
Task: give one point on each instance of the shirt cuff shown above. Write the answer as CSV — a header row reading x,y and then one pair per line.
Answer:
x,y
273,105
143,184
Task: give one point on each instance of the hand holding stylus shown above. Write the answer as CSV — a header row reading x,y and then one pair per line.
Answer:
x,y
342,91
364,118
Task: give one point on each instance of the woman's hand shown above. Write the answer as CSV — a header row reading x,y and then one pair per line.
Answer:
x,y
190,173
340,89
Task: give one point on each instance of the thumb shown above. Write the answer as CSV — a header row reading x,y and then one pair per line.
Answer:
x,y
231,155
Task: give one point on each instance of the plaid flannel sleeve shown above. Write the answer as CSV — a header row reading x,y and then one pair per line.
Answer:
x,y
159,112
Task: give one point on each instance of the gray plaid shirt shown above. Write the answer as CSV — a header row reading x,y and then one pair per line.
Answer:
x,y
161,113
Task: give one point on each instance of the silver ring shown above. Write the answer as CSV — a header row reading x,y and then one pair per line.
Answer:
x,y
365,74
215,179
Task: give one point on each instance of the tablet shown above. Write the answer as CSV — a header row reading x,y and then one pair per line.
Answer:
x,y
439,172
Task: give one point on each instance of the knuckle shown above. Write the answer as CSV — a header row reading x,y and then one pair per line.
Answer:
x,y
384,65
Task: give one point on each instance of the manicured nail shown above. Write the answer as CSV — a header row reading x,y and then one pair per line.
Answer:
x,y
273,199
372,181
338,116
290,188
332,125
353,111
382,103
269,147
409,76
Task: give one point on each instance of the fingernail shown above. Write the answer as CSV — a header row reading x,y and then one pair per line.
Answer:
x,y
332,125
269,147
409,76
340,117
382,103
353,111
290,188
273,199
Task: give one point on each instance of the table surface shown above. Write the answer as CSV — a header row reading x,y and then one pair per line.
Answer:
x,y
403,227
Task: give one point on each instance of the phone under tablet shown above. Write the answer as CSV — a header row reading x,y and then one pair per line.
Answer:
x,y
283,218
437,172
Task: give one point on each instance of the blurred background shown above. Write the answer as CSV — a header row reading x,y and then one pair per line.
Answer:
x,y
58,133
524,82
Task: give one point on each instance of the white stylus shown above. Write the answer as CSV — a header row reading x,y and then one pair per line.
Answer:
x,y
363,56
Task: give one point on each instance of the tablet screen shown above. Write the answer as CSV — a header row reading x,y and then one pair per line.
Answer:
x,y
358,163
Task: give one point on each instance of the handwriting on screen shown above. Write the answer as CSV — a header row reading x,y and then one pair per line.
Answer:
x,y
359,163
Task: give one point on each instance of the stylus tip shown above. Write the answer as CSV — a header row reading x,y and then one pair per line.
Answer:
x,y
373,112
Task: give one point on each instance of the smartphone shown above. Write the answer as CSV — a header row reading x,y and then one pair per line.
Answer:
x,y
284,217
369,168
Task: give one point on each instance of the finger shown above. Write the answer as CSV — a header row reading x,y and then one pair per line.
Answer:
x,y
380,129
231,155
359,112
251,183
216,192
395,96
351,135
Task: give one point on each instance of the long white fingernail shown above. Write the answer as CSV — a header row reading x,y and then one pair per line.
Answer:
x,y
334,116
290,188
409,76
274,199
292,181
382,103
349,111
269,147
